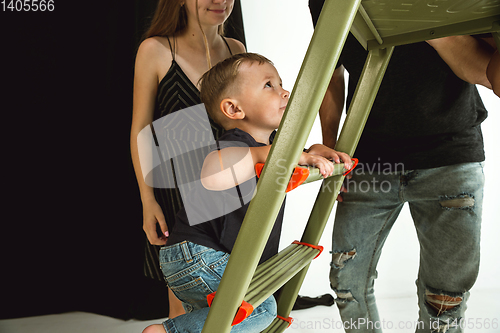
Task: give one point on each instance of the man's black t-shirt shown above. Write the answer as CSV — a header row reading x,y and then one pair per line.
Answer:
x,y
220,233
424,116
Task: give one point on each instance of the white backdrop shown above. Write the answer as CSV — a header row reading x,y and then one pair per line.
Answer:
x,y
281,30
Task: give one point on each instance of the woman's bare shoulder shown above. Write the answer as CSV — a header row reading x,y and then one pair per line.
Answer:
x,y
155,47
235,45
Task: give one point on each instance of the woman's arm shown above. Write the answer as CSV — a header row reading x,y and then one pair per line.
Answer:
x,y
145,88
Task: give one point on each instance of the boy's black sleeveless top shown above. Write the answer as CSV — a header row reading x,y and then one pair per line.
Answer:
x,y
220,233
175,92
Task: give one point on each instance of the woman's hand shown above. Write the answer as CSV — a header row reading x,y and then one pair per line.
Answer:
x,y
152,215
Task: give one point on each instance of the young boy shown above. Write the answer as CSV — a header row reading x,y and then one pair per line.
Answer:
x,y
243,94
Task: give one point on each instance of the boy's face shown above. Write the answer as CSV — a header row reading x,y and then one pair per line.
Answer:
x,y
261,95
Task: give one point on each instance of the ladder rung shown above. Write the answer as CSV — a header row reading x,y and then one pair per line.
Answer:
x,y
275,272
275,278
282,255
311,172
280,268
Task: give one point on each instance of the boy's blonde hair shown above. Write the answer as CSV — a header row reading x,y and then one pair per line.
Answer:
x,y
219,81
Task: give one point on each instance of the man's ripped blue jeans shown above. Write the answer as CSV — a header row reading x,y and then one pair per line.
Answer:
x,y
445,204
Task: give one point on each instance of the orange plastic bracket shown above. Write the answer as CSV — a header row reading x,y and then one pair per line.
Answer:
x,y
210,298
354,163
298,177
317,247
244,310
289,320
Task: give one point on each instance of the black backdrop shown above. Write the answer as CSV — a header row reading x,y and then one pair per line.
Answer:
x,y
71,236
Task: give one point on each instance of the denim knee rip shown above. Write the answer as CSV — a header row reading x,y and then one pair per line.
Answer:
x,y
340,258
344,296
463,201
338,262
444,307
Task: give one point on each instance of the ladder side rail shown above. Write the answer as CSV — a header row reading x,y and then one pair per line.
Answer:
x,y
314,232
307,95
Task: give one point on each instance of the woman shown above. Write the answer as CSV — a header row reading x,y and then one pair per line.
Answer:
x,y
183,41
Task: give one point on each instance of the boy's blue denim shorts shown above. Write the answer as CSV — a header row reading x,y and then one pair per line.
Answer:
x,y
193,272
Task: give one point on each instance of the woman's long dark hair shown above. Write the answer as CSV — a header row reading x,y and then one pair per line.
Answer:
x,y
170,17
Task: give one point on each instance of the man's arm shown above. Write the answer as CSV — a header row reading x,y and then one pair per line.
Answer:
x,y
330,111
493,73
493,70
467,57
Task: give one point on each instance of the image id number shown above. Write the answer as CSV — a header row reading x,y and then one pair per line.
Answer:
x,y
28,5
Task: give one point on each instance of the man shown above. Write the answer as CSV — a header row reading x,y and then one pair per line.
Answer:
x,y
422,145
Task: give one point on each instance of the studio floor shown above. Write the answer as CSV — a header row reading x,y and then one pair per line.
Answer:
x,y
394,289
399,315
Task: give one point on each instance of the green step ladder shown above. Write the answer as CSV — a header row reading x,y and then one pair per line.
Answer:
x,y
378,26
